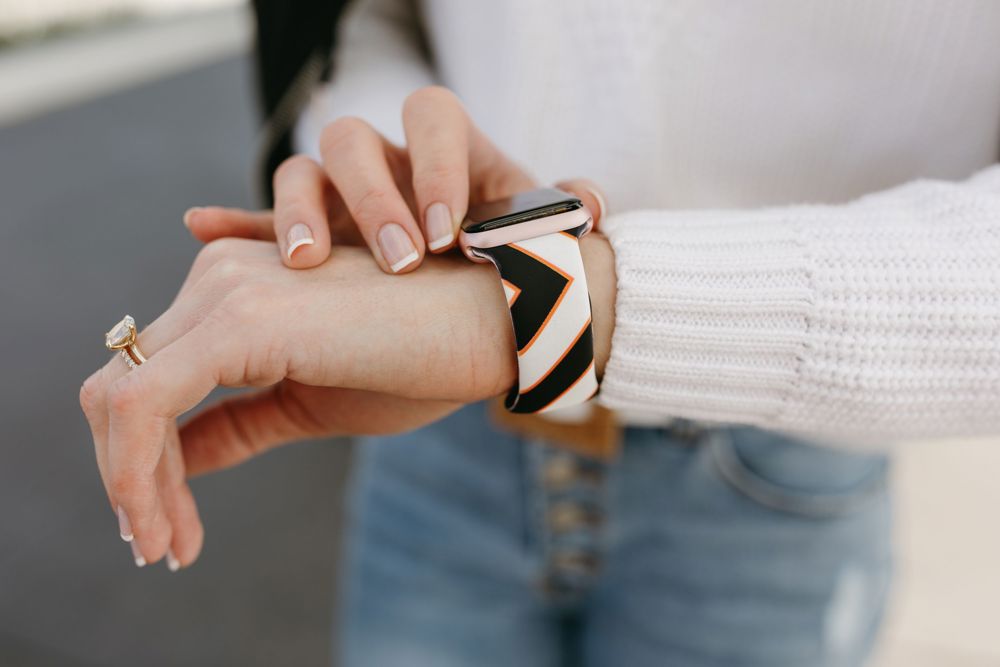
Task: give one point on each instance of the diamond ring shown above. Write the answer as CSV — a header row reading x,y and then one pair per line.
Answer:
x,y
122,338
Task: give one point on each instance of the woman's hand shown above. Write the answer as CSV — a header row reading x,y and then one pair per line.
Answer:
x,y
402,352
371,192
241,427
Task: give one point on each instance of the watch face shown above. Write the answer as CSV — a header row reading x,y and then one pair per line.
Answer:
x,y
522,207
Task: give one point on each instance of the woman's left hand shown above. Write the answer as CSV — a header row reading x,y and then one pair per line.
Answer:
x,y
410,350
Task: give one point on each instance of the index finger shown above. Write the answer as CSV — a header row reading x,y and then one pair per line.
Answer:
x,y
209,223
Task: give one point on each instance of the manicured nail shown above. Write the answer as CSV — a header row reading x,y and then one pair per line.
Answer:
x,y
124,525
396,246
439,226
172,563
189,214
298,236
137,555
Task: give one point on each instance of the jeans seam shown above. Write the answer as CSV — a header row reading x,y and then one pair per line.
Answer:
x,y
769,495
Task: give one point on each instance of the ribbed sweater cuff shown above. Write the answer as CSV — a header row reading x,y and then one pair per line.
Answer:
x,y
879,318
711,316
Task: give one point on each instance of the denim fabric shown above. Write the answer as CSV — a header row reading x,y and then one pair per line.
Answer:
x,y
696,547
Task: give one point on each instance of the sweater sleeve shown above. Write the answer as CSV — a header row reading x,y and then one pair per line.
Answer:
x,y
380,58
876,320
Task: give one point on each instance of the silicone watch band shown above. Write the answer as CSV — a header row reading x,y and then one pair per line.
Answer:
x,y
546,290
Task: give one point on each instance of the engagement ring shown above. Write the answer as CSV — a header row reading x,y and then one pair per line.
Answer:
x,y
122,338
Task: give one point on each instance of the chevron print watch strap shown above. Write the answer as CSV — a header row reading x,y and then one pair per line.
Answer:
x,y
549,305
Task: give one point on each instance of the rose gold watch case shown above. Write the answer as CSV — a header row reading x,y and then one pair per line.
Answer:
x,y
529,229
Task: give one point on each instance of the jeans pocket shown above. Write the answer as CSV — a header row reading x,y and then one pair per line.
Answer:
x,y
784,474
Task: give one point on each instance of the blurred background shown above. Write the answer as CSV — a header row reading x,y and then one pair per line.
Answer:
x,y
116,116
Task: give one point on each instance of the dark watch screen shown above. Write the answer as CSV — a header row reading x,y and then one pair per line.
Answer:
x,y
521,207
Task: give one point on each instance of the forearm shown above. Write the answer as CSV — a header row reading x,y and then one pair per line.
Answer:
x,y
878,319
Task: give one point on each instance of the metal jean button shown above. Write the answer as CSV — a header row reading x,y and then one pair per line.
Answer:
x,y
564,517
559,472
576,562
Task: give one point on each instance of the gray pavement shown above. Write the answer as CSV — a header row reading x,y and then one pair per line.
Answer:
x,y
90,228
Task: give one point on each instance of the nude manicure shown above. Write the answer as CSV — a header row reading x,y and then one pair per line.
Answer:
x,y
396,246
140,561
124,525
172,563
190,214
298,236
440,230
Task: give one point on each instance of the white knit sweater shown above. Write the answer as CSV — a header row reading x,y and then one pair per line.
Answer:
x,y
871,313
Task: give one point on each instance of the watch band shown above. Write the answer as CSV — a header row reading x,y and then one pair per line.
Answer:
x,y
549,303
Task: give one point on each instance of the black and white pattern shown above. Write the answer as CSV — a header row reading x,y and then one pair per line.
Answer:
x,y
550,309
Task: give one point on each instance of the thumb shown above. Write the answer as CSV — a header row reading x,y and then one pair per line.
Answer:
x,y
236,429
215,222
591,196
240,428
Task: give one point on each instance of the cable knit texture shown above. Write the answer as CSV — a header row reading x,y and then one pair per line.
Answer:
x,y
871,317
879,318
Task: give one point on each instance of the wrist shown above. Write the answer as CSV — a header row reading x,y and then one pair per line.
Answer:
x,y
494,322
602,281
496,372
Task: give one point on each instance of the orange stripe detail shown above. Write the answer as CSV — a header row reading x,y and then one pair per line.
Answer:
x,y
544,261
559,360
545,323
513,288
575,382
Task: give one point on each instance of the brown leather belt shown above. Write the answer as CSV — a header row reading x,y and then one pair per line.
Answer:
x,y
597,436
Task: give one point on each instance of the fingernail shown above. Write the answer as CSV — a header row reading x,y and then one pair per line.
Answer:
x,y
439,226
137,555
189,213
124,525
396,246
172,563
298,236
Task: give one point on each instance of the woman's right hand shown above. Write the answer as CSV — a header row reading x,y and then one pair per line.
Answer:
x,y
371,192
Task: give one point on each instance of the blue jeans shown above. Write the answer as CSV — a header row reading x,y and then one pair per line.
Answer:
x,y
696,547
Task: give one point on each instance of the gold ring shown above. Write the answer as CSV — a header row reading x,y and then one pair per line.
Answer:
x,y
122,338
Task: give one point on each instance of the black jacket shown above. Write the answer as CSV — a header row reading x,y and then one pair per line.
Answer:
x,y
295,39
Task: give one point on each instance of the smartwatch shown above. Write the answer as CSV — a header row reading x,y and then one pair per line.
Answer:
x,y
533,240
